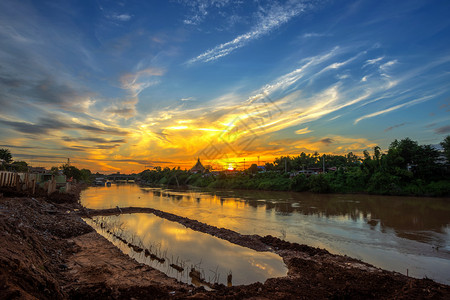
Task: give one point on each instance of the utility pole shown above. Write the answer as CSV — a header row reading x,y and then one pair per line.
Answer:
x,y
244,164
68,162
258,160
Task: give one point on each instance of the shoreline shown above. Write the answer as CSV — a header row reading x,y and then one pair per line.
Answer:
x,y
49,252
357,193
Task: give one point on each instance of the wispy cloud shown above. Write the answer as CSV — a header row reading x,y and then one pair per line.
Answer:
x,y
393,127
98,140
269,21
51,123
200,9
121,17
385,67
327,141
303,131
373,61
393,108
443,130
314,34
136,82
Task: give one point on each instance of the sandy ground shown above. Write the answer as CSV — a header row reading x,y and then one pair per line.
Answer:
x,y
48,252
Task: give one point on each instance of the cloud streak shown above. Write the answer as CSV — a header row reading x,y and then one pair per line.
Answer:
x,y
46,125
275,17
393,108
443,130
393,127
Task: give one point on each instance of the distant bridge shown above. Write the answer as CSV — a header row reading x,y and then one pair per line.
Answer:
x,y
121,178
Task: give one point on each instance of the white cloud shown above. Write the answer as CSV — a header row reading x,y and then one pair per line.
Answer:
x,y
121,17
199,9
287,80
313,34
373,61
407,104
303,131
139,81
385,66
274,18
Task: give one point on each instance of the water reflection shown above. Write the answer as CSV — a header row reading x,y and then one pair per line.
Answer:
x,y
398,213
395,233
187,255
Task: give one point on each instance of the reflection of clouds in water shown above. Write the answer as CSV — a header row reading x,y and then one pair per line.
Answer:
x,y
338,223
191,247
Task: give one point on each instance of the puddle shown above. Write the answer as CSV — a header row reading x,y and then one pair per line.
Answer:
x,y
187,255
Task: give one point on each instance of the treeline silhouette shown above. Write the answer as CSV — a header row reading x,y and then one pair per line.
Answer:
x,y
406,168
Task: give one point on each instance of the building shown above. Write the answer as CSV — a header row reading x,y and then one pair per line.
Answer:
x,y
198,168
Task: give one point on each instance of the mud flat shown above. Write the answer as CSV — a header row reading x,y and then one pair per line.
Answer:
x,y
48,252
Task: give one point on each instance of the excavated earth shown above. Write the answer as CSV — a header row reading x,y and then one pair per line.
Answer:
x,y
48,252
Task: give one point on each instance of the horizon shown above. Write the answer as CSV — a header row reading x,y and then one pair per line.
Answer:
x,y
132,85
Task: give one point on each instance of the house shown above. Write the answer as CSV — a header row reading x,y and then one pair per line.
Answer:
x,y
198,168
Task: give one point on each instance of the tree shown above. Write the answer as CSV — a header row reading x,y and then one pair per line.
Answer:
x,y
446,145
54,170
71,172
426,162
377,153
85,174
351,159
20,166
253,169
269,167
282,163
402,153
5,154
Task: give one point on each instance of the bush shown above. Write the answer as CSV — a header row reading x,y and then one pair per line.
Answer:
x,y
384,183
299,183
355,180
319,184
439,188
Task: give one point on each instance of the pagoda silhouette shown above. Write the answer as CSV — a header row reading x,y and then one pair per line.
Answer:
x,y
198,168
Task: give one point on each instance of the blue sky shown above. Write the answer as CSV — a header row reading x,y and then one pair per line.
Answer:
x,y
123,85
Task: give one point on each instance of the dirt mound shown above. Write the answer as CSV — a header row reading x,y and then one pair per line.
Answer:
x,y
279,244
31,252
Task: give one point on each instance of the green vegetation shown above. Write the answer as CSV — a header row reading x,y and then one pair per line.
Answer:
x,y
7,162
74,173
20,166
5,155
406,168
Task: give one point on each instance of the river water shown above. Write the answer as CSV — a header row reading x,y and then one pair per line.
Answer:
x,y
214,259
404,234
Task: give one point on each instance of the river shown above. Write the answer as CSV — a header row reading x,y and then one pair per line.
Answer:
x,y
404,234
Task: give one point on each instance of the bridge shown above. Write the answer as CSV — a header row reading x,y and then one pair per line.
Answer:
x,y
121,178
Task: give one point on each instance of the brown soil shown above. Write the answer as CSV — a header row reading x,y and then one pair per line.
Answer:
x,y
48,252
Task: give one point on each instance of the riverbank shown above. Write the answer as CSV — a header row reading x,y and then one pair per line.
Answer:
x,y
48,251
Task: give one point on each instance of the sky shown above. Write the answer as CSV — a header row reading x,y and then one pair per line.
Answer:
x,y
123,86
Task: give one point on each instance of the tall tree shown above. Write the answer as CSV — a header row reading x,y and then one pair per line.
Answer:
x,y
446,145
403,152
5,154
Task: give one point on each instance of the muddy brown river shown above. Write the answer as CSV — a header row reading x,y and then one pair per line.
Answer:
x,y
404,234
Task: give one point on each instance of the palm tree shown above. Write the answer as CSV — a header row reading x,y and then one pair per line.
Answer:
x,y
5,154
